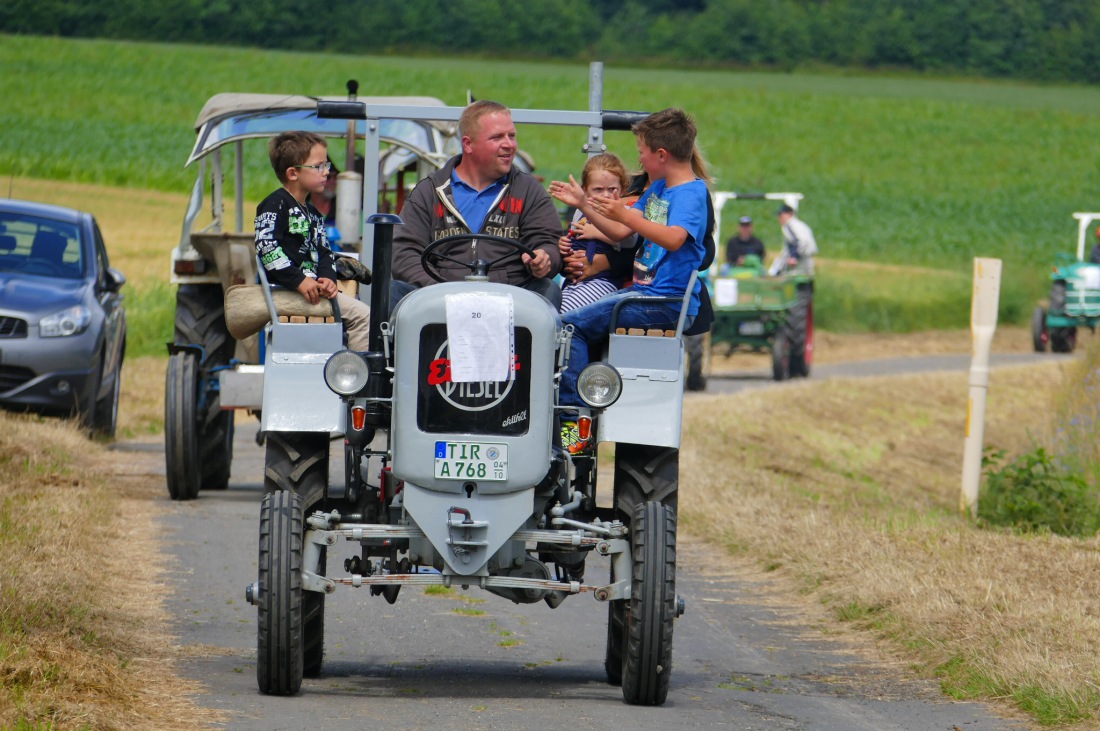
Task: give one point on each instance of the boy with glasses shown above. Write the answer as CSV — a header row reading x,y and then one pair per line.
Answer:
x,y
290,233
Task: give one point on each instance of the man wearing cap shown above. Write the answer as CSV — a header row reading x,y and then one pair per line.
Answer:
x,y
743,244
799,245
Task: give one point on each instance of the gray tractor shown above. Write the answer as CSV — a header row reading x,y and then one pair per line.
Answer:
x,y
454,474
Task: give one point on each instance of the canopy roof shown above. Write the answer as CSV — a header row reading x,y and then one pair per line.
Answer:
x,y
230,117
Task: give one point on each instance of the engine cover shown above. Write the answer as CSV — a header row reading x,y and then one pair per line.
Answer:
x,y
490,436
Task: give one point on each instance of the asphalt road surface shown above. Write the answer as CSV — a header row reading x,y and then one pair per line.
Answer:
x,y
473,660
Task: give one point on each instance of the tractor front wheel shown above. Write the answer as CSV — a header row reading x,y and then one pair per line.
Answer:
x,y
181,430
651,610
280,636
781,355
1039,335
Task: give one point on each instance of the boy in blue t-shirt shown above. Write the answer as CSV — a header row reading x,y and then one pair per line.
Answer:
x,y
670,216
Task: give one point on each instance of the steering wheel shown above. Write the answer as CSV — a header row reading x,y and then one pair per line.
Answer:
x,y
431,258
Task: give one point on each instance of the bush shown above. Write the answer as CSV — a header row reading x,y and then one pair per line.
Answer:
x,y
1035,493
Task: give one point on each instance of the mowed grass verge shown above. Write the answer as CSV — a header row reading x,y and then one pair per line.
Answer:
x,y
849,491
84,642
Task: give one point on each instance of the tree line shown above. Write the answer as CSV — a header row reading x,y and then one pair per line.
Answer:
x,y
1044,40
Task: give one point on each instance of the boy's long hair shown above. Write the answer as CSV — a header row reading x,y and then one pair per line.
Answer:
x,y
291,148
671,129
606,161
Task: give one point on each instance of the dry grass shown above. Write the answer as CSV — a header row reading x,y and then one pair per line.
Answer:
x,y
141,403
858,506
83,643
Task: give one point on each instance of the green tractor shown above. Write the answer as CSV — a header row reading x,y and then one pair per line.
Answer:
x,y
755,311
1074,297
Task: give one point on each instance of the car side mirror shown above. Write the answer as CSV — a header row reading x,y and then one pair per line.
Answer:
x,y
113,280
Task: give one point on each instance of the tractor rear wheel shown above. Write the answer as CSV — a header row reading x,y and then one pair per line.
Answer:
x,y
697,348
651,610
200,320
1063,339
800,324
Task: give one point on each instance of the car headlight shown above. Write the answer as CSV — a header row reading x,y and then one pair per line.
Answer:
x,y
599,385
346,373
72,321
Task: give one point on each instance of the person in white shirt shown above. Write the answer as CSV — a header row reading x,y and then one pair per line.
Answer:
x,y
799,245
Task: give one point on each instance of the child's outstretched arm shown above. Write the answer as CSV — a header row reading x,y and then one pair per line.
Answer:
x,y
667,237
572,194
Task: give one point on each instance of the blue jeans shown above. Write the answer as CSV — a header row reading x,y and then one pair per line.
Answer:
x,y
592,323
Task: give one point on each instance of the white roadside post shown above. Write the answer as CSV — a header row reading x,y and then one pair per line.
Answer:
x,y
983,322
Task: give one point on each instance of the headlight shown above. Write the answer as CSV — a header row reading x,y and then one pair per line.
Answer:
x,y
599,385
346,373
72,321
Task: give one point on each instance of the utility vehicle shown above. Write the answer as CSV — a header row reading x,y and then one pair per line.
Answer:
x,y
454,473
1074,296
754,311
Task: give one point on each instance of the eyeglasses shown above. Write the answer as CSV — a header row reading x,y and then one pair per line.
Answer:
x,y
321,167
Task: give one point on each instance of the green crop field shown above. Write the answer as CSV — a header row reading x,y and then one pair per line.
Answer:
x,y
896,170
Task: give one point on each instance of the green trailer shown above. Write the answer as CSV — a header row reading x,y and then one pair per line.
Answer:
x,y
754,311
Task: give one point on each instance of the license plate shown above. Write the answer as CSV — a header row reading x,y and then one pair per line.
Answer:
x,y
751,328
471,461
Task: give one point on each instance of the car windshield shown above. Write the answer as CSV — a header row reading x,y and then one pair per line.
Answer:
x,y
40,246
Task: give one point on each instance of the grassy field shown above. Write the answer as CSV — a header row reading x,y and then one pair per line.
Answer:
x,y
908,171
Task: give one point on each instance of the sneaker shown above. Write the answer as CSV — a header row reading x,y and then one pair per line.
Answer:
x,y
571,438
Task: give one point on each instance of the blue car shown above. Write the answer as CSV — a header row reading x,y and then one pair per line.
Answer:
x,y
62,323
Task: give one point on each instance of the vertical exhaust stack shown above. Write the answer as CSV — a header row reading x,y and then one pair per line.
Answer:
x,y
349,188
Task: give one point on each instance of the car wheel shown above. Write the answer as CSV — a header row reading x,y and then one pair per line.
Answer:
x,y
105,415
651,610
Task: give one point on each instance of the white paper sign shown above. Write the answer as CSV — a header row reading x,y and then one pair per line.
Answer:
x,y
725,292
480,337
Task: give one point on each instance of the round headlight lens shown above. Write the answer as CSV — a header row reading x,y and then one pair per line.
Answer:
x,y
346,373
599,385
